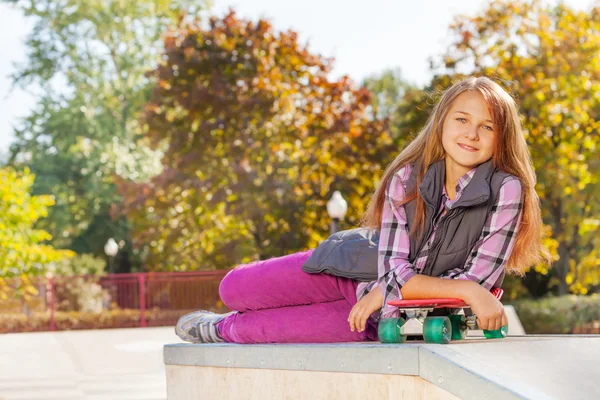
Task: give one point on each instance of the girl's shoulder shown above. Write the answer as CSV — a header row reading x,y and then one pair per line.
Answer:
x,y
509,178
403,174
397,185
510,188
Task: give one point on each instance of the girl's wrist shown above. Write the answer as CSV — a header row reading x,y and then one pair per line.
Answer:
x,y
472,292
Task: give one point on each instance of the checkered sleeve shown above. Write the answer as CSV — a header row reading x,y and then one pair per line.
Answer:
x,y
491,252
394,267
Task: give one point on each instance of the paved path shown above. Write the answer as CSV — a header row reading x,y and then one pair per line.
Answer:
x,y
106,364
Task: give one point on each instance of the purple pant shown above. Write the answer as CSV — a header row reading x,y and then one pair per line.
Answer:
x,y
277,302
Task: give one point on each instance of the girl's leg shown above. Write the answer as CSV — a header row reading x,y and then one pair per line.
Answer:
x,y
277,302
325,322
280,282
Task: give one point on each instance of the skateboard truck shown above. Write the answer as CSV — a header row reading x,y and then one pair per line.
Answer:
x,y
415,318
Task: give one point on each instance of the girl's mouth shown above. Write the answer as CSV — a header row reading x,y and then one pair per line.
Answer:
x,y
466,148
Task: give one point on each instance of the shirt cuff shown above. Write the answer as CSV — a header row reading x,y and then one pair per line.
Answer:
x,y
388,311
404,276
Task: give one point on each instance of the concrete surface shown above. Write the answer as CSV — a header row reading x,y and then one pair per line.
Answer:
x,y
528,367
106,364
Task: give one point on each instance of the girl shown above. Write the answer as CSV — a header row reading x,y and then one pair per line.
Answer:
x,y
455,210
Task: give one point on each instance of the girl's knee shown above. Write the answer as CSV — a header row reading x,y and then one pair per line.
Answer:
x,y
240,287
229,290
233,289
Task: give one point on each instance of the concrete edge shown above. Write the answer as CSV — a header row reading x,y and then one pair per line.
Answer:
x,y
470,379
444,367
364,358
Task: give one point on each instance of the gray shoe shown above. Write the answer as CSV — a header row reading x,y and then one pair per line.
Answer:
x,y
200,327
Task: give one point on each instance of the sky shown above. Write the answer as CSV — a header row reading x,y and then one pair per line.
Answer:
x,y
364,37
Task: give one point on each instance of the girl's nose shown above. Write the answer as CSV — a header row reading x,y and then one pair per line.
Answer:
x,y
471,133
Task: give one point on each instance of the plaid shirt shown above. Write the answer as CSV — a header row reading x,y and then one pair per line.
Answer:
x,y
486,261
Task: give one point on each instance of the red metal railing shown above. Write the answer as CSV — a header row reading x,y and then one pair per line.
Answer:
x,y
109,301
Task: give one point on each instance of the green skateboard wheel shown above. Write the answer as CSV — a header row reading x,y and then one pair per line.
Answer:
x,y
389,330
497,334
459,327
437,330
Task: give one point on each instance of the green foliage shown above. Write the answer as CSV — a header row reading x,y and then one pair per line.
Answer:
x,y
256,138
80,293
558,315
88,62
389,89
22,248
514,288
394,100
80,264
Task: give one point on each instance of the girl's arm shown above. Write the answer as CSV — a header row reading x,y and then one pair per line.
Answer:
x,y
429,287
488,309
394,267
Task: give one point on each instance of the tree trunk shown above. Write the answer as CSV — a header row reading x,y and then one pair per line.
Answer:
x,y
258,240
562,269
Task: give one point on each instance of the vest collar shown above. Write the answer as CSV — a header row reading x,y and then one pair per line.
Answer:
x,y
477,191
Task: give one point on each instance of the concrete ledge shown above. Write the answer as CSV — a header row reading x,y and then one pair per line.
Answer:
x,y
360,358
357,370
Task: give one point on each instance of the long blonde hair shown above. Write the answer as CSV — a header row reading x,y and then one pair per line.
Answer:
x,y
510,154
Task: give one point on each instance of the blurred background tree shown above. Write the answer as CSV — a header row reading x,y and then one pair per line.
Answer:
x,y
256,137
22,249
79,136
389,89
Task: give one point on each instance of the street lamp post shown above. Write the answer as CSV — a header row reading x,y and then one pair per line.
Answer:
x,y
111,248
336,208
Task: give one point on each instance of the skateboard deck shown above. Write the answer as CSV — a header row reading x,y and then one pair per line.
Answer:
x,y
438,303
433,329
435,303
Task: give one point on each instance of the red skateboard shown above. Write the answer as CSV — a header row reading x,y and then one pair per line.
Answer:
x,y
434,329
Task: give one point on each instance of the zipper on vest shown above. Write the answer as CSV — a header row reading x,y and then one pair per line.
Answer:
x,y
437,242
423,242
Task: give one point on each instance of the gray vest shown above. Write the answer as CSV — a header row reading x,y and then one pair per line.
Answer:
x,y
353,253
461,227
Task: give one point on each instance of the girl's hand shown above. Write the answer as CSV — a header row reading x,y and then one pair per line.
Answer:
x,y
488,309
361,311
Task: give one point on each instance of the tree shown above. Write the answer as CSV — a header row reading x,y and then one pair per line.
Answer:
x,y
22,249
257,138
87,62
548,57
389,89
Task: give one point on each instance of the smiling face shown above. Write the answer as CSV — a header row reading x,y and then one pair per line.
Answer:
x,y
468,132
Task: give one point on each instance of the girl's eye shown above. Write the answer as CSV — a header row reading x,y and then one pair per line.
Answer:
x,y
489,128
461,120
